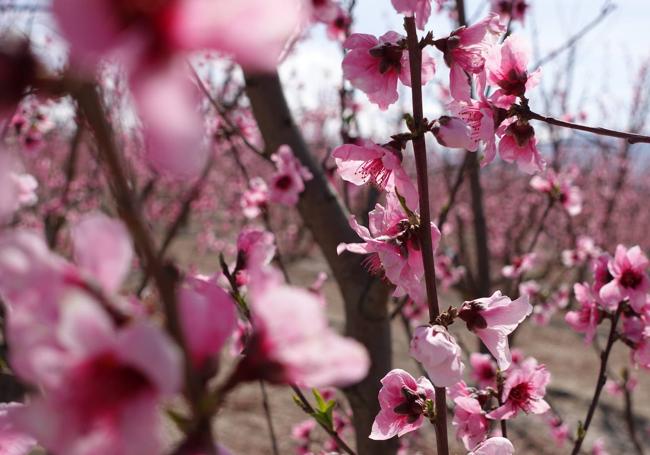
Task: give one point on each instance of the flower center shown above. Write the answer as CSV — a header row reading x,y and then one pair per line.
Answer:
x,y
284,182
390,56
412,406
520,394
630,279
470,312
514,83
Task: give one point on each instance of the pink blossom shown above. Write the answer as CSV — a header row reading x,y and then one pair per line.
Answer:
x,y
600,267
403,405
494,446
518,144
470,421
484,369
493,319
586,319
465,53
102,248
208,318
519,266
173,129
292,342
255,198
25,185
436,349
585,250
447,272
515,9
288,181
12,440
454,133
641,352
617,388
599,447
324,10
560,187
421,9
523,390
559,430
255,250
507,69
143,32
628,268
111,383
483,119
372,163
393,245
208,24
373,65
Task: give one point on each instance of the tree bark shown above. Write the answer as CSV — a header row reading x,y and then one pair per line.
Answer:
x,y
365,297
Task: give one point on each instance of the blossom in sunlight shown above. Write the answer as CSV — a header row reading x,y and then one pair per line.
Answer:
x,y
438,352
392,244
376,164
493,319
511,9
523,390
630,279
454,133
403,404
484,369
588,316
519,266
507,70
470,421
465,52
421,9
373,65
518,144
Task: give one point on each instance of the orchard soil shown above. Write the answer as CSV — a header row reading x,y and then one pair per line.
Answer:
x,y
241,425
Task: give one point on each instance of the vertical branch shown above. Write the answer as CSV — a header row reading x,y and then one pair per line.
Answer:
x,y
426,244
629,413
602,378
269,418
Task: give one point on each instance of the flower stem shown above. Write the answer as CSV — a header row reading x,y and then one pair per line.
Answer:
x,y
602,378
426,243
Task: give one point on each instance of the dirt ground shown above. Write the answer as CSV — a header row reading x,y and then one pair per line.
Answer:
x,y
242,427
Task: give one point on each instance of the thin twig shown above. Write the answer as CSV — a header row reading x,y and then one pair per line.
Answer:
x,y
631,138
269,418
602,379
426,244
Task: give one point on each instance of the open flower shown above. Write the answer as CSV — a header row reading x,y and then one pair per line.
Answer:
x,y
392,241
630,280
560,187
523,390
484,369
519,266
376,164
288,181
373,65
493,319
507,69
518,144
511,9
292,343
465,51
110,380
439,354
470,421
588,316
403,405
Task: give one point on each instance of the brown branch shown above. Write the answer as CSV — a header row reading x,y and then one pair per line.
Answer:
x,y
631,138
424,234
602,379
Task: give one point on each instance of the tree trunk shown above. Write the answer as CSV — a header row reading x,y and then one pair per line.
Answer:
x,y
365,297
